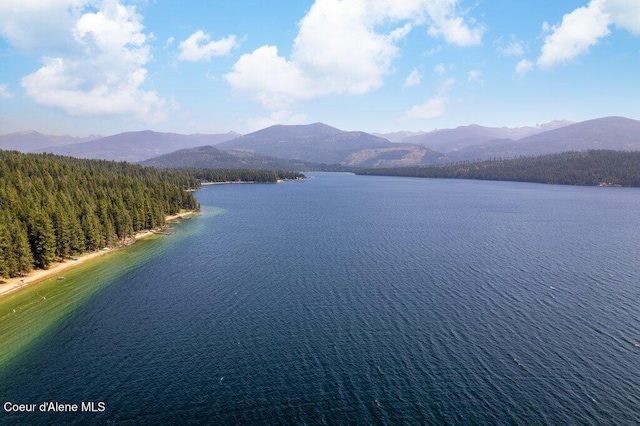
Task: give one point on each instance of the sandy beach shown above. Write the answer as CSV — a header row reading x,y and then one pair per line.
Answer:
x,y
56,269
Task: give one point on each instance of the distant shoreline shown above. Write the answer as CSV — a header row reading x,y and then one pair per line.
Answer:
x,y
227,182
13,285
230,182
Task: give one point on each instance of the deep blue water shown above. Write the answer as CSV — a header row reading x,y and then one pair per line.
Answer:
x,y
370,300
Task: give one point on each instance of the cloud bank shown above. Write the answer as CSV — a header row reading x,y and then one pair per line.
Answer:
x,y
100,53
345,48
40,26
584,27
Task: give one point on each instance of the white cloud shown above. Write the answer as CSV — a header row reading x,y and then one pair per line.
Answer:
x,y
445,87
514,47
446,22
440,69
433,51
586,26
59,84
169,42
400,33
475,76
523,67
102,70
197,47
344,47
40,25
339,48
4,92
274,81
413,79
434,107
625,14
578,31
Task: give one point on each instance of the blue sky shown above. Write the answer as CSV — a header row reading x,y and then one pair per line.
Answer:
x,y
107,66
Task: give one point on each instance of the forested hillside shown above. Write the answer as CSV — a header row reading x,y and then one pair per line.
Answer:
x,y
55,207
594,167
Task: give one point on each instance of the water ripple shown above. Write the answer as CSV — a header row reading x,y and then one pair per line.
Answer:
x,y
365,300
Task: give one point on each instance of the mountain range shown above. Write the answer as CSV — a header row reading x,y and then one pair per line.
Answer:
x,y
31,141
613,133
130,146
449,140
303,145
210,157
317,143
139,146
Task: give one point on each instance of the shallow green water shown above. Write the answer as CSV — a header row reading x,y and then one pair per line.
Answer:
x,y
27,315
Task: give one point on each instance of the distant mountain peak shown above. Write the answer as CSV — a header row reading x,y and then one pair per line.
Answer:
x,y
27,132
316,142
313,127
319,125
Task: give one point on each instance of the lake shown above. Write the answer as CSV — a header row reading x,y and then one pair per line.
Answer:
x,y
354,299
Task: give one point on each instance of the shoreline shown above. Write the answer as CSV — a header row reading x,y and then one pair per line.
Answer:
x,y
243,182
232,182
13,285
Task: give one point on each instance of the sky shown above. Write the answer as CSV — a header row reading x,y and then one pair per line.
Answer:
x,y
80,67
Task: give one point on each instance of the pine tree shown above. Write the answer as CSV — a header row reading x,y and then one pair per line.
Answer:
x,y
21,250
42,240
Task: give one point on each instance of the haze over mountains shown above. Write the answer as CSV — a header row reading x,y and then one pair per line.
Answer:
x,y
313,142
320,143
448,140
616,133
138,146
130,146
209,157
32,141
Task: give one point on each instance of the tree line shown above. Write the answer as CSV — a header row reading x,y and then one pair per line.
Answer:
x,y
589,168
53,207
242,175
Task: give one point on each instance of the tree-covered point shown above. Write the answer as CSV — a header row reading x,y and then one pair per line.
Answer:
x,y
54,207
590,168
239,175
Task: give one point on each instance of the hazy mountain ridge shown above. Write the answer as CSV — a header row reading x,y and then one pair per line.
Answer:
x,y
319,143
209,157
612,133
398,136
137,146
450,140
32,141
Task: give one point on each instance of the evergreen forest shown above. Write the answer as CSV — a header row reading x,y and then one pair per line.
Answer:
x,y
241,175
589,168
54,207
